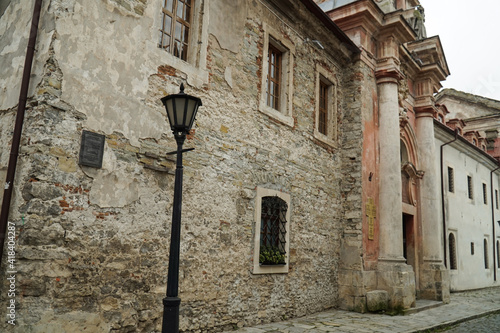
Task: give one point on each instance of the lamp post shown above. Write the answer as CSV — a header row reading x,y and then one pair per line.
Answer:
x,y
181,111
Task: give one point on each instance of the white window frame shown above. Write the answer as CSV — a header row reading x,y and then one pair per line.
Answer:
x,y
284,114
327,77
270,269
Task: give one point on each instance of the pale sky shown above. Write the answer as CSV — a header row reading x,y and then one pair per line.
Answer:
x,y
470,35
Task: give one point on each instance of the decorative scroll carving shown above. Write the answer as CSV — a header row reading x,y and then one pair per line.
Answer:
x,y
409,179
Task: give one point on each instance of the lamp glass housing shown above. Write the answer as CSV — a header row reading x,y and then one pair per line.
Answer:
x,y
181,110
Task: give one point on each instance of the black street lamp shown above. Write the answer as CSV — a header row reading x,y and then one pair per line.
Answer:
x,y
181,111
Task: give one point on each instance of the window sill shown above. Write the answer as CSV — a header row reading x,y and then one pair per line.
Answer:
x,y
196,76
270,269
277,115
324,139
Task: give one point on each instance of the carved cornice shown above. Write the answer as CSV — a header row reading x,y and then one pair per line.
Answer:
x,y
391,75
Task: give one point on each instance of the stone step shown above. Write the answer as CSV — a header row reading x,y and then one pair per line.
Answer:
x,y
423,304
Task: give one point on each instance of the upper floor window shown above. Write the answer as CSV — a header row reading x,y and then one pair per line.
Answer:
x,y
323,108
176,24
485,194
277,77
470,192
451,180
496,199
274,58
325,128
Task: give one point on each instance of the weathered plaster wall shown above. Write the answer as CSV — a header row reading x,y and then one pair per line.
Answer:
x,y
93,243
14,28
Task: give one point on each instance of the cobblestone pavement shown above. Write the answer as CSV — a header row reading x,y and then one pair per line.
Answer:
x,y
487,324
463,306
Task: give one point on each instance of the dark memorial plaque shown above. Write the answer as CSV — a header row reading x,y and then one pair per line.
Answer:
x,y
92,149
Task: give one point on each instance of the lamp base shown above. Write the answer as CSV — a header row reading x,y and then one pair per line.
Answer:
x,y
170,315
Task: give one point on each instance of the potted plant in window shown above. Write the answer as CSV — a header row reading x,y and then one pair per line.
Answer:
x,y
271,256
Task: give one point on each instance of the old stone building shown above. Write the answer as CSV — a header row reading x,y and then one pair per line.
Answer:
x,y
315,181
92,242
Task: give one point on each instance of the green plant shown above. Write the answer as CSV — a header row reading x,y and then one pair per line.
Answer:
x,y
271,256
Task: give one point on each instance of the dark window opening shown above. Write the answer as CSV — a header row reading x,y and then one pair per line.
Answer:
x,y
453,251
485,194
273,231
323,108
451,180
472,248
274,58
486,261
498,254
470,193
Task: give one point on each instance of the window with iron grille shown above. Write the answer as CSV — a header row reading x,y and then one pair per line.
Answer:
x,y
451,180
176,24
486,261
470,193
273,231
274,77
453,251
485,194
498,254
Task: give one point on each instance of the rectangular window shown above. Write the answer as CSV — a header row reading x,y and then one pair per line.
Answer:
x,y
176,24
276,91
485,194
496,199
485,250
272,226
451,180
323,108
273,231
472,248
274,77
325,126
470,193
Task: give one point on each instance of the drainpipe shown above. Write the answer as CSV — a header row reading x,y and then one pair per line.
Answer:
x,y
493,225
442,195
18,128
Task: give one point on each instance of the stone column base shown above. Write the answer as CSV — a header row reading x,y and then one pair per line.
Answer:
x,y
434,281
398,279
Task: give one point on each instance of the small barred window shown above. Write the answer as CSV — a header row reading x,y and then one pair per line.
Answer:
x,y
486,261
451,180
273,231
470,192
485,194
453,251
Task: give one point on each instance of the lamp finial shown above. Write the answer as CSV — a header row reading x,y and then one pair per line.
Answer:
x,y
182,88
